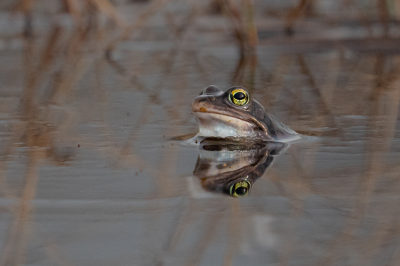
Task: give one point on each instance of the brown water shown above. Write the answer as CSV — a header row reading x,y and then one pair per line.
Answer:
x,y
91,172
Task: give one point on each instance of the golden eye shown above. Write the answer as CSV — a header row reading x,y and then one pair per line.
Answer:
x,y
239,97
240,189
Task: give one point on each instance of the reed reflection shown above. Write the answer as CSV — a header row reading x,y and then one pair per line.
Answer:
x,y
232,168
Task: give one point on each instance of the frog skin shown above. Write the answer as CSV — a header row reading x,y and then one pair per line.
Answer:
x,y
232,167
235,115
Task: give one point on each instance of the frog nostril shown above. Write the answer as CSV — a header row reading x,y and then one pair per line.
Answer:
x,y
202,99
212,99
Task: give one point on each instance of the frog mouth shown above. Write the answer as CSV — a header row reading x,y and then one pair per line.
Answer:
x,y
214,124
229,118
214,114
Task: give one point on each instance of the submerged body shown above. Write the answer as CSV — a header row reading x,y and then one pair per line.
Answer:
x,y
233,114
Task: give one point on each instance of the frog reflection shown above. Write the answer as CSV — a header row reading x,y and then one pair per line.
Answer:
x,y
232,167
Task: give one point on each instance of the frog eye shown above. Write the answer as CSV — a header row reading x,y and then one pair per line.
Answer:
x,y
240,189
239,97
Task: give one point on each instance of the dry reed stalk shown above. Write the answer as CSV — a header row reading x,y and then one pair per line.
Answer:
x,y
185,219
235,233
72,7
4,189
75,66
38,136
322,106
281,69
252,72
56,255
76,9
371,174
35,74
238,74
250,26
362,15
25,6
245,71
297,192
374,163
245,32
296,13
382,235
154,7
397,9
186,22
231,10
213,221
164,187
13,252
384,17
243,23
105,7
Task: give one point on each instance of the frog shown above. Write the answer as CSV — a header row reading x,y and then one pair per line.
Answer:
x,y
235,115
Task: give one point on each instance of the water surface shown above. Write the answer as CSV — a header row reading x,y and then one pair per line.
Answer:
x,y
92,173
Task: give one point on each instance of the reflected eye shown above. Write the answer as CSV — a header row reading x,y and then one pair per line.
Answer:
x,y
239,97
240,189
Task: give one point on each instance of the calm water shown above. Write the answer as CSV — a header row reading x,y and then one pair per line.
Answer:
x,y
92,173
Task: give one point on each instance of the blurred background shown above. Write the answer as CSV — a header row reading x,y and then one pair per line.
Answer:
x,y
95,95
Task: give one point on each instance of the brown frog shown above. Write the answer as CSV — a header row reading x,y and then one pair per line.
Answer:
x,y
235,115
